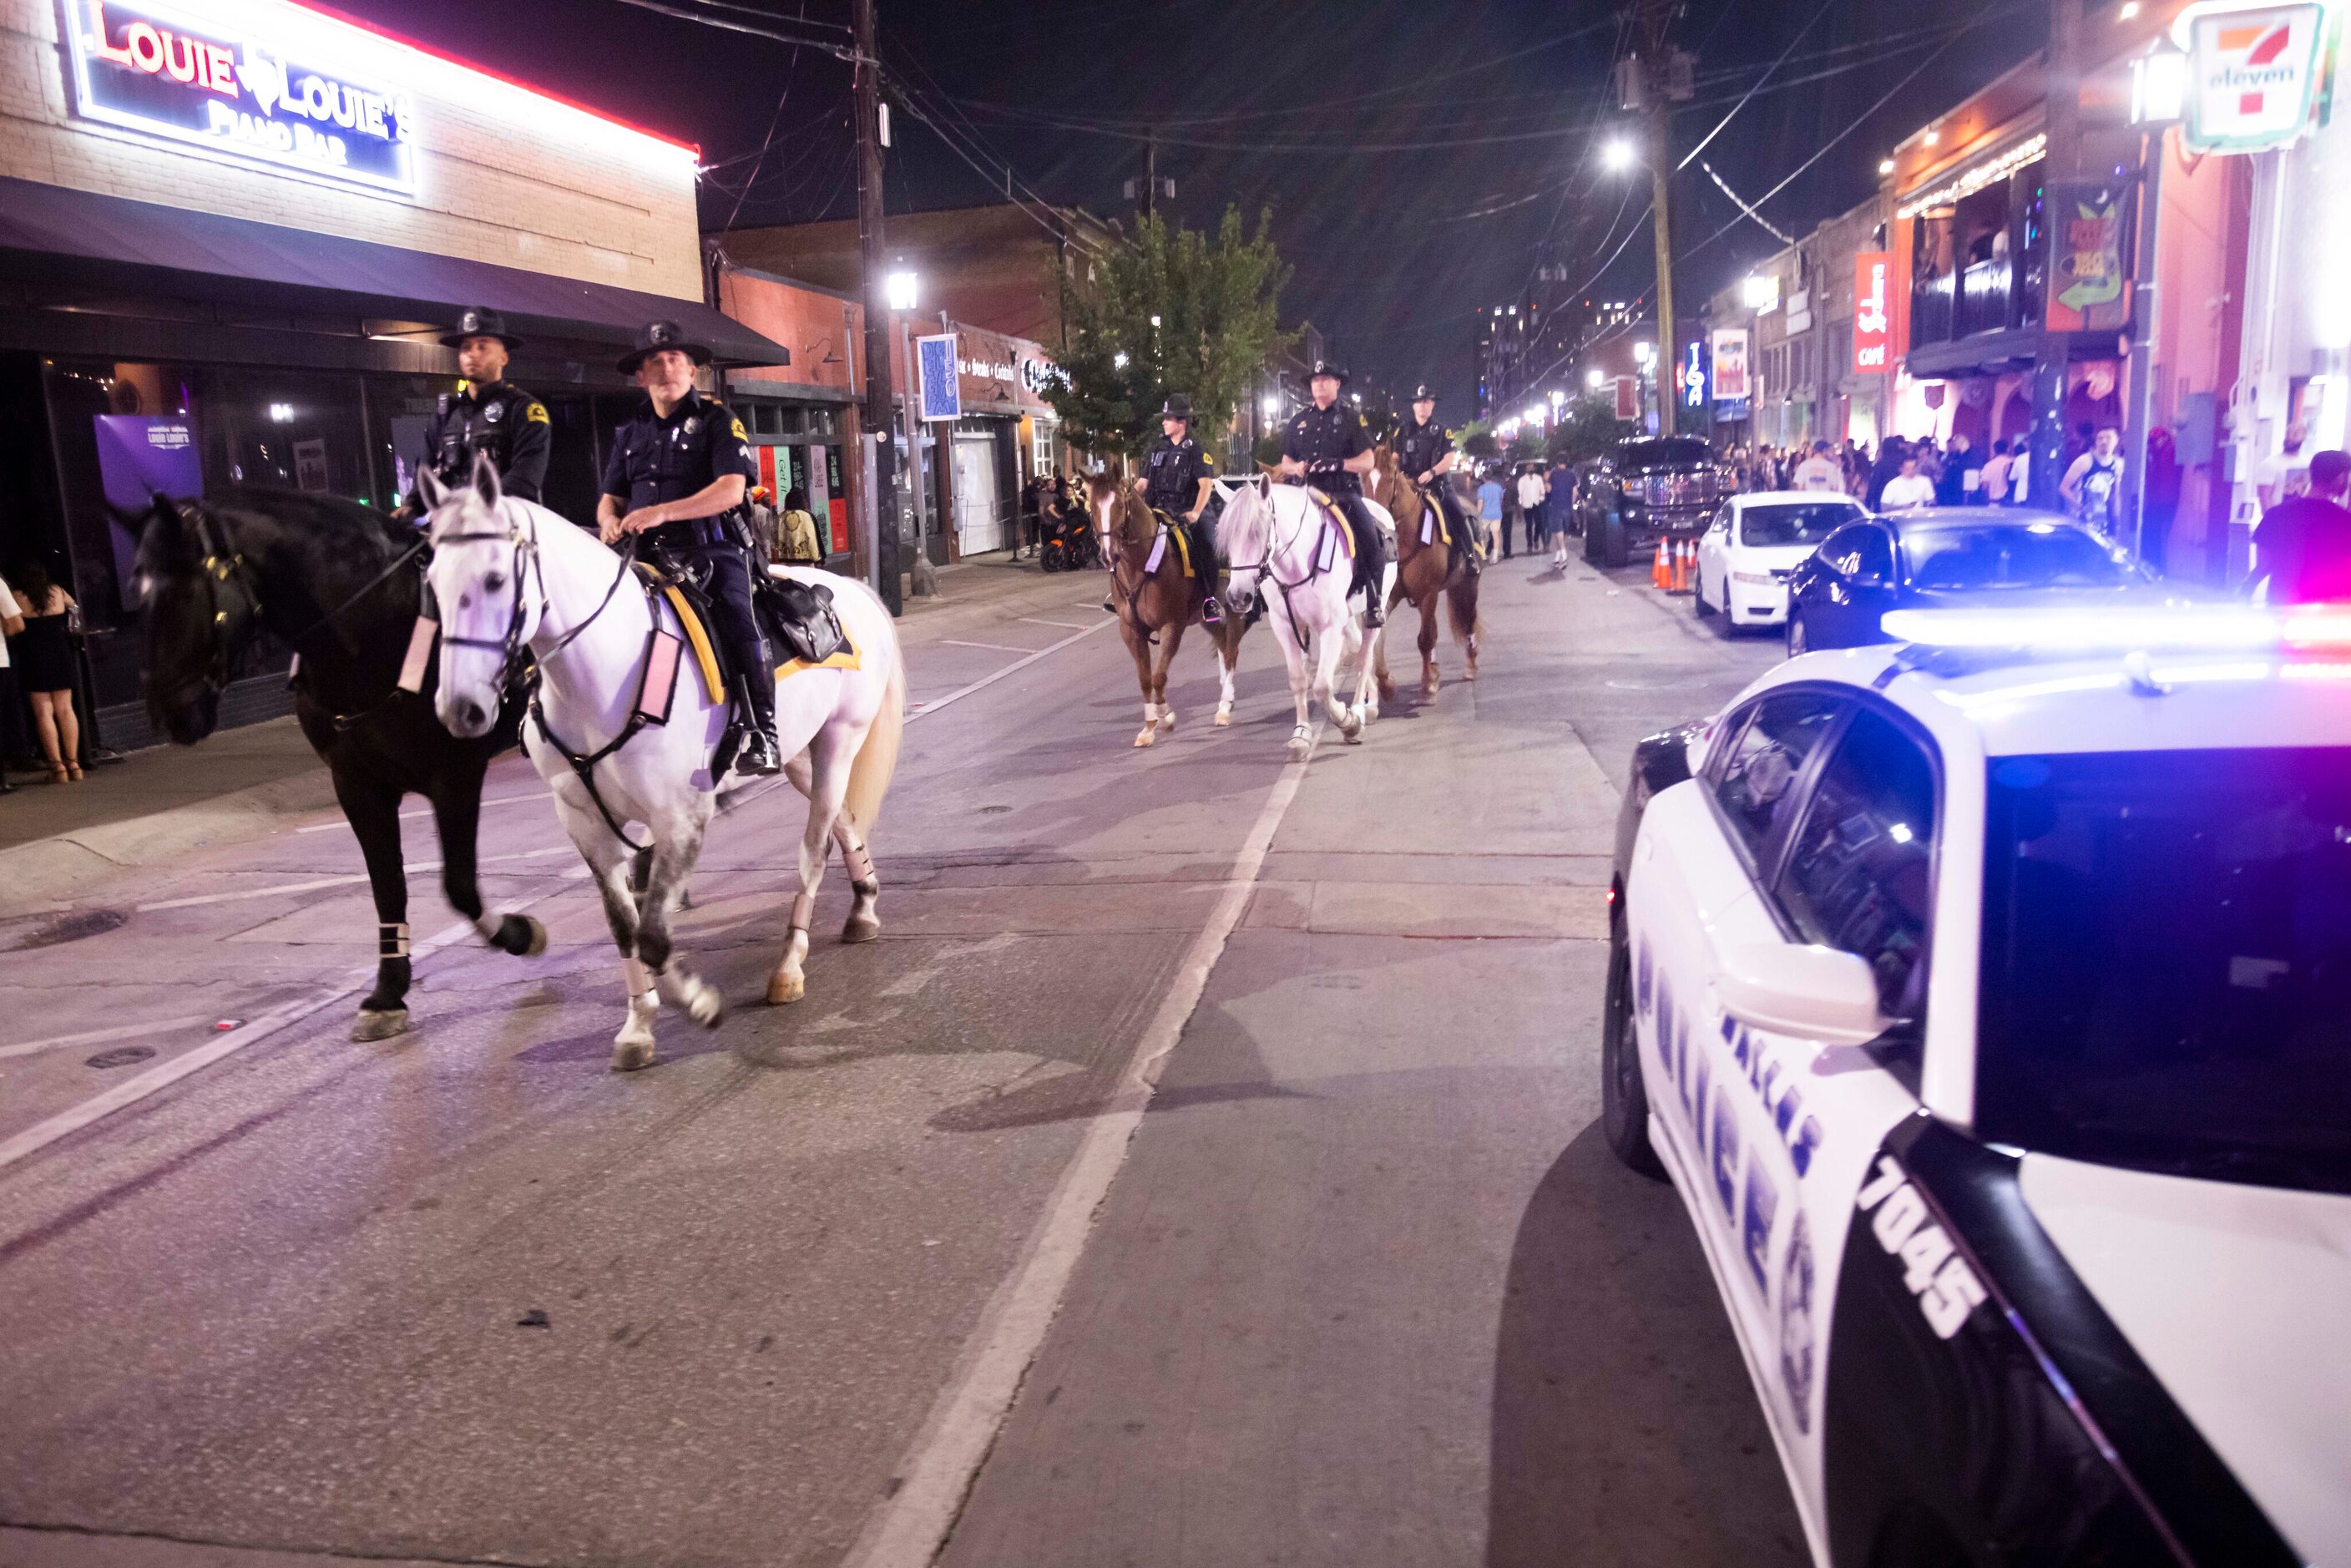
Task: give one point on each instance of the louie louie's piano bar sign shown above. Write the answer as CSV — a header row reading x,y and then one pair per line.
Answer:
x,y
149,69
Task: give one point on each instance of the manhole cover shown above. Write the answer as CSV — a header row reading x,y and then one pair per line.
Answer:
x,y
60,929
120,1056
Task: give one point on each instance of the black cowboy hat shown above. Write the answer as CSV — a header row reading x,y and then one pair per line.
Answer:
x,y
1325,367
1177,407
479,323
656,336
1423,393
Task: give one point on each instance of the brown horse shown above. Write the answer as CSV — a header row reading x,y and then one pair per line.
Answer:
x,y
1156,598
1426,566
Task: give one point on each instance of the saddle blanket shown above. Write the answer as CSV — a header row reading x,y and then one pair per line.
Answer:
x,y
663,671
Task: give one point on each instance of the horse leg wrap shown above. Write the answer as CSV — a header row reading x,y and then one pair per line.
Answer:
x,y
391,940
859,863
641,979
803,911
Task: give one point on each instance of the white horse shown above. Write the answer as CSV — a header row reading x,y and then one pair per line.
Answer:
x,y
1284,545
510,576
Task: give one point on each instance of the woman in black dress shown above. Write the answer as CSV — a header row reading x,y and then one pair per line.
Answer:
x,y
44,661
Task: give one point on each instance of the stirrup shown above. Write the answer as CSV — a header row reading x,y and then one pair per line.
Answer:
x,y
757,755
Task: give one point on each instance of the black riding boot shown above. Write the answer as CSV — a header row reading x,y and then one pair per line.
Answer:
x,y
756,696
1372,563
1204,561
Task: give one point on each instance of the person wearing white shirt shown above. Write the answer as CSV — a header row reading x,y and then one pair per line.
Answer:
x,y
1909,488
1995,474
2284,474
1818,472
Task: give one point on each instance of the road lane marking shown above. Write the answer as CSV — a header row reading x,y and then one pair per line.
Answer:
x,y
130,1091
427,810
995,647
101,1036
937,1475
347,880
923,710
1064,625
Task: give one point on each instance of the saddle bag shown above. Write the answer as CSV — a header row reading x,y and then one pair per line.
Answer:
x,y
802,616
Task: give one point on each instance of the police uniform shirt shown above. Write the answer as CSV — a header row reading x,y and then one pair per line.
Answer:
x,y
1172,473
654,460
1322,439
1419,448
501,420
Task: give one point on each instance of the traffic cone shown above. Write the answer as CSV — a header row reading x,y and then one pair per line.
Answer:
x,y
1689,565
1660,574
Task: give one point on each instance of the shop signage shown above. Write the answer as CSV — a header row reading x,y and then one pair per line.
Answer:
x,y
1873,328
1731,364
2253,75
1690,375
1628,398
1038,374
2086,290
147,68
934,370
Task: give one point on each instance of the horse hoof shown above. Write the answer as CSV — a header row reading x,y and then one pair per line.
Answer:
x,y
520,935
1429,688
374,1024
1470,674
1387,690
1299,750
1224,718
861,928
783,989
1167,719
704,1004
632,1055
1150,735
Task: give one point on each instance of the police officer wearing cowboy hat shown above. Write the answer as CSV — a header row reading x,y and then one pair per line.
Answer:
x,y
1329,446
676,476
1177,480
486,414
1424,454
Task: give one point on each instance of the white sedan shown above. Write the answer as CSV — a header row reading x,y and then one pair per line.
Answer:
x,y
1987,999
1750,545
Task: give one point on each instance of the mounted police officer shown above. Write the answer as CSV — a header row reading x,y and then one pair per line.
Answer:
x,y
1177,480
486,414
677,475
1424,454
1329,446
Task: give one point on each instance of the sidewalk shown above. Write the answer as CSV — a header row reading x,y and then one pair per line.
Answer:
x,y
245,784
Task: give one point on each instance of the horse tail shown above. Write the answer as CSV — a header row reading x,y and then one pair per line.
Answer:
x,y
877,759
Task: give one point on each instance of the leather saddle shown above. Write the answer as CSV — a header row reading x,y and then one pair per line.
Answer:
x,y
797,619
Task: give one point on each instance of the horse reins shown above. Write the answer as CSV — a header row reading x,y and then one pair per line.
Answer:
x,y
1264,569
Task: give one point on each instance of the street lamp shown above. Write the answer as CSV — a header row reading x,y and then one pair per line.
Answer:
x,y
1118,360
1618,154
1644,354
1272,406
902,291
1596,378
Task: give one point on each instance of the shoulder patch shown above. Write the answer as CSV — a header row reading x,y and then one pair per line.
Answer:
x,y
741,433
535,414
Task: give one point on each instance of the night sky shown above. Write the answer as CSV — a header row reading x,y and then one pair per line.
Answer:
x,y
1419,158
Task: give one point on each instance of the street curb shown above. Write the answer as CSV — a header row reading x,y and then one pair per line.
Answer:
x,y
38,876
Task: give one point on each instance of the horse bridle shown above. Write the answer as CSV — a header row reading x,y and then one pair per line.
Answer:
x,y
511,647
1264,569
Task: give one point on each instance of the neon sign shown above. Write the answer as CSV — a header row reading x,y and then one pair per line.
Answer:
x,y
144,67
1692,376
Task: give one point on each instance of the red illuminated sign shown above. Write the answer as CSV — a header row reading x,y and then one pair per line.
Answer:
x,y
1872,326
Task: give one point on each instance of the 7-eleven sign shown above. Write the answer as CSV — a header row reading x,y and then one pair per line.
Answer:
x,y
2253,74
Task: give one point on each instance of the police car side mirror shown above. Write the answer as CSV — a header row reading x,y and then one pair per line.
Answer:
x,y
1812,993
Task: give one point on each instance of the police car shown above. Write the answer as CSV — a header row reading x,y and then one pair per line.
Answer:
x,y
1987,999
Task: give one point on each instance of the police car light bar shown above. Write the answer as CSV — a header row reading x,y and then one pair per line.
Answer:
x,y
2181,627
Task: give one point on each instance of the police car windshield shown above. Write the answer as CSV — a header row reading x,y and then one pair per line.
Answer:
x,y
1807,524
2167,961
2038,555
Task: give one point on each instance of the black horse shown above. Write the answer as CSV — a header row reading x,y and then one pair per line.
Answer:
x,y
342,585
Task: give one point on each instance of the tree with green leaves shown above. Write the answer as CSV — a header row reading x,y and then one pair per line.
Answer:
x,y
1587,426
1177,312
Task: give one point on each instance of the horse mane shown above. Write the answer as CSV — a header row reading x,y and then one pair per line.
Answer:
x,y
322,516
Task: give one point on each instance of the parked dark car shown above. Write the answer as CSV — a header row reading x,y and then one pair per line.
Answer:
x,y
1952,557
1647,489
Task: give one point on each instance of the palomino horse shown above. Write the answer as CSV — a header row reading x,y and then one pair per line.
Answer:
x,y
340,584
1426,566
512,576
1288,546
1159,591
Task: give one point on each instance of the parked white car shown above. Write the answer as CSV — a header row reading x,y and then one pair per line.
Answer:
x,y
1986,999
1754,543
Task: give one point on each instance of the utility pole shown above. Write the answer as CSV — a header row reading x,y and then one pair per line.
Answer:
x,y
2064,90
879,416
1657,66
1151,175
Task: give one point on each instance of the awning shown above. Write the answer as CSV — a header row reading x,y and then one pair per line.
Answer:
x,y
81,239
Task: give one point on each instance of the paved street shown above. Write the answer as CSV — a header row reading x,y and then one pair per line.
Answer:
x,y
1202,1170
